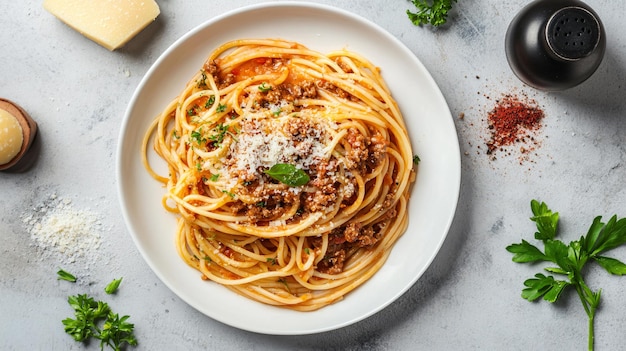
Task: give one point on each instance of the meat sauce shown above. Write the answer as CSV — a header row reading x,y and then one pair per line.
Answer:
x,y
365,154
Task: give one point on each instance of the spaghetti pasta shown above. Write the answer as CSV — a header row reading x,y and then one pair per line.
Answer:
x,y
289,170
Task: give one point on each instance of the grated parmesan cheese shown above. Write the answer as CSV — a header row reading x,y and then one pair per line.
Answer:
x,y
58,229
262,144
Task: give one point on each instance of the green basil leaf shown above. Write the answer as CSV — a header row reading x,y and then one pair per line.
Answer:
x,y
288,174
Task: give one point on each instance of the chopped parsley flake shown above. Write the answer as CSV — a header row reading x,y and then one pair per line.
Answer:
x,y
210,101
196,136
201,83
229,193
264,88
416,160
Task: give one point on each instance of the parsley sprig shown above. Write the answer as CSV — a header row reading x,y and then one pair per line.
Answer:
x,y
95,319
433,12
569,260
89,315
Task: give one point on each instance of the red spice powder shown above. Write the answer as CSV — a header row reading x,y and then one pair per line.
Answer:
x,y
513,120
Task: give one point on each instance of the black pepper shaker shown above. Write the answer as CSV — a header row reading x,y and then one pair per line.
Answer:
x,y
555,44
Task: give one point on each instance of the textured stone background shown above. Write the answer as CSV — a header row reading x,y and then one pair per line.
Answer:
x,y
469,297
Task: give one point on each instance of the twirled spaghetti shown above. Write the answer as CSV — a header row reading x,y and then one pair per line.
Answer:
x,y
289,169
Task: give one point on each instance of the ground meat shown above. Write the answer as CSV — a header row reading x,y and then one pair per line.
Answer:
x,y
344,66
333,89
343,240
377,149
288,92
352,231
368,237
300,129
350,193
388,200
261,212
362,236
270,207
226,251
273,96
211,68
365,153
333,264
391,213
318,201
325,193
358,151
227,80
305,89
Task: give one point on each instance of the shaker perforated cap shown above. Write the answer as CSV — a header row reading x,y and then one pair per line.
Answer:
x,y
573,33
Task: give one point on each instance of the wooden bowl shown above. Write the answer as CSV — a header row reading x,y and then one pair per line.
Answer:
x,y
30,145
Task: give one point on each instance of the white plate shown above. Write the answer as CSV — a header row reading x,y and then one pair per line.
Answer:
x,y
323,28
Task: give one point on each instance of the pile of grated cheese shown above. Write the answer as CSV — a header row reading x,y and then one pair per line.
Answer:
x,y
59,230
262,144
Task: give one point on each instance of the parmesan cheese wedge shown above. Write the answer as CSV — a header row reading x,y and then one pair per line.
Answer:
x,y
110,23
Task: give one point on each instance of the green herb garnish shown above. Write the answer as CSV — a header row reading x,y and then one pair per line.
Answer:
x,y
284,282
197,137
214,177
232,195
201,83
570,260
63,275
288,174
113,285
264,88
192,111
433,12
220,133
220,108
416,160
95,319
210,101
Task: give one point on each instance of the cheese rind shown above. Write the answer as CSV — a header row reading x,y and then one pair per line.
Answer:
x,y
11,137
110,23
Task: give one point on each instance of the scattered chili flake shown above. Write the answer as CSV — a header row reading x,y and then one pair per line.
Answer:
x,y
513,120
